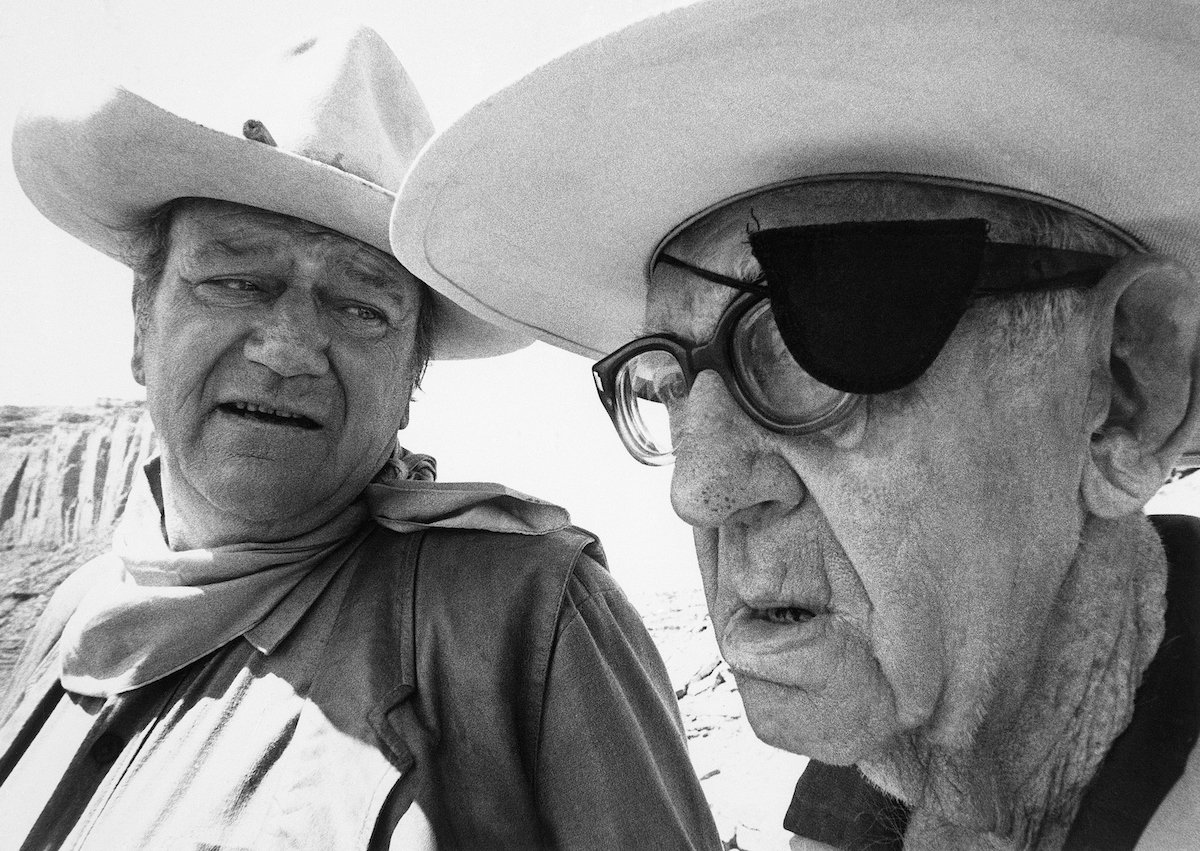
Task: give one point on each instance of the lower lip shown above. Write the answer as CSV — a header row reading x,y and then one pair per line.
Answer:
x,y
785,653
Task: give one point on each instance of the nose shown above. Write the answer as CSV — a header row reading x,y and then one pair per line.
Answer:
x,y
726,466
290,340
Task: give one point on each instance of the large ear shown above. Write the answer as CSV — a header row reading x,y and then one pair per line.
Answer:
x,y
1145,396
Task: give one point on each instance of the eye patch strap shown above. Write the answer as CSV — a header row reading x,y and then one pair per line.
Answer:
x,y
1007,268
1010,268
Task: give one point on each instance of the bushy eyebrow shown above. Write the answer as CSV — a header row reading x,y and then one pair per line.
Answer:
x,y
677,315
371,273
232,247
659,329
376,276
682,311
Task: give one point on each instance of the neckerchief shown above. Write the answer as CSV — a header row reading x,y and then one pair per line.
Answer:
x,y
154,610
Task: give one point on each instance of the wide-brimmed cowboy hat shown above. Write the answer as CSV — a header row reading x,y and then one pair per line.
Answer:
x,y
334,121
543,206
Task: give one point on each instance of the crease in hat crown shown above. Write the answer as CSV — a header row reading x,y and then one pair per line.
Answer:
x,y
346,120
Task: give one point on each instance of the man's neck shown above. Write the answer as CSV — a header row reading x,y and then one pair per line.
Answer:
x,y
1019,782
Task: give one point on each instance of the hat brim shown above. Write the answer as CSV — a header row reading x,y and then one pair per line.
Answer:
x,y
98,171
542,207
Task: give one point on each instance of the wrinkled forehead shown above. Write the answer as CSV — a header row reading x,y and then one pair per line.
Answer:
x,y
203,229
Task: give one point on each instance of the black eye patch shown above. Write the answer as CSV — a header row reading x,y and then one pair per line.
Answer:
x,y
865,307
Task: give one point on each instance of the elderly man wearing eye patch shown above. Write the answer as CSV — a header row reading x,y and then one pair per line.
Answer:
x,y
907,293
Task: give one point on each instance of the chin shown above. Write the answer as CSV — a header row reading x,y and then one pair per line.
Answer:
x,y
266,498
838,729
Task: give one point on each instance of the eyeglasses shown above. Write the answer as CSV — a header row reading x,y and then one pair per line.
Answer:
x,y
769,371
642,383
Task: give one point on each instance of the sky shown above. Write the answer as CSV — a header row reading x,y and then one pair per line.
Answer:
x,y
530,420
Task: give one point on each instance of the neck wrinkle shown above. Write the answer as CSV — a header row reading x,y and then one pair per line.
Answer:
x,y
1019,783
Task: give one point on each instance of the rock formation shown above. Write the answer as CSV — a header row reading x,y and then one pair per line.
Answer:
x,y
65,472
64,476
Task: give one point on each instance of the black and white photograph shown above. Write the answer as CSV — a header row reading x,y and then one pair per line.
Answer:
x,y
738,425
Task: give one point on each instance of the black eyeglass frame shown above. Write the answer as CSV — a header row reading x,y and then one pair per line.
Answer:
x,y
716,354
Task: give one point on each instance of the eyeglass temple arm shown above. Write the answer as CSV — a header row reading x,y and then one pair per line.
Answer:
x,y
757,285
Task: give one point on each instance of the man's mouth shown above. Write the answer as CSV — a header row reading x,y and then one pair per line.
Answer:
x,y
778,643
267,414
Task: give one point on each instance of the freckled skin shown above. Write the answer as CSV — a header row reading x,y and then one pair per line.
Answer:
x,y
933,526
260,307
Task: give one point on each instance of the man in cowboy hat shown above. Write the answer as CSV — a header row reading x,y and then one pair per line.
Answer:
x,y
299,639
907,292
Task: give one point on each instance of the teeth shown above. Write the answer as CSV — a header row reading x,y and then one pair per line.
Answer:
x,y
260,409
787,614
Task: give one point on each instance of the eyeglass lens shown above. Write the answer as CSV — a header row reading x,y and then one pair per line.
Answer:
x,y
651,384
775,384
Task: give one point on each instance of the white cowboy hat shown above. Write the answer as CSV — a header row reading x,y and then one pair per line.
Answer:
x,y
343,122
543,206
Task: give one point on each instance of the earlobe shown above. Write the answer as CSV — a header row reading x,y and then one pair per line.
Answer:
x,y
1120,478
1144,404
407,411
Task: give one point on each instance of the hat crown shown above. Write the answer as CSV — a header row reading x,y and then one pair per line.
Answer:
x,y
341,98
348,103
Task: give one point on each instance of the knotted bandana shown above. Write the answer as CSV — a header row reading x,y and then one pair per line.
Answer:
x,y
154,610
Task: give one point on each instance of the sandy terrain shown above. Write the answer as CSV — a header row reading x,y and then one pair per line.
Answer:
x,y
748,783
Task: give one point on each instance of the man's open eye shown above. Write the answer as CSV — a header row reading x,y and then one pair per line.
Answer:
x,y
362,313
228,290
236,284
